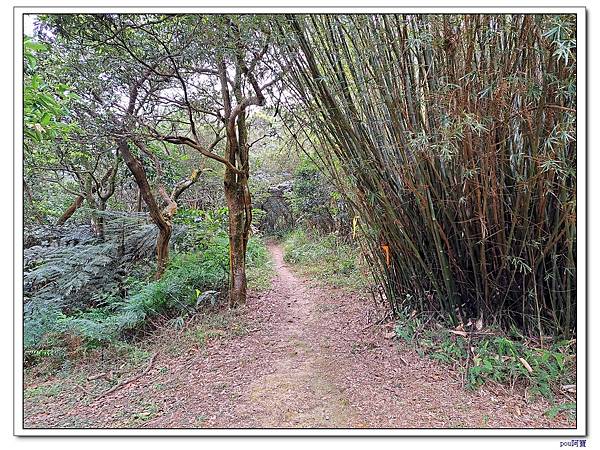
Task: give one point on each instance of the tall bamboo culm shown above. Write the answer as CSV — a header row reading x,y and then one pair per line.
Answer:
x,y
453,137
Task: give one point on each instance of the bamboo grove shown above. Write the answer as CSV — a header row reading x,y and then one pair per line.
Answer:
x,y
453,137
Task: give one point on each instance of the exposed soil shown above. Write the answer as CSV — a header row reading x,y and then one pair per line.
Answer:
x,y
304,356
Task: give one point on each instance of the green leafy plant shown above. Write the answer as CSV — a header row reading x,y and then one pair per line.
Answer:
x,y
176,295
45,105
494,357
328,257
556,409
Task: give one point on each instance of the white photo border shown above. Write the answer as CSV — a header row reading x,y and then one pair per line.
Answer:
x,y
582,309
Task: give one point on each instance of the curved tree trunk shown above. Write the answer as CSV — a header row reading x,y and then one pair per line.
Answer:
x,y
104,192
164,226
160,216
70,210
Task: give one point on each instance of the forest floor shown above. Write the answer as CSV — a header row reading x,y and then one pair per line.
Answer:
x,y
300,355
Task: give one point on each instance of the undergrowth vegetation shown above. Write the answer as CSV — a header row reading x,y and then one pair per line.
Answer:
x,y
328,257
492,356
197,276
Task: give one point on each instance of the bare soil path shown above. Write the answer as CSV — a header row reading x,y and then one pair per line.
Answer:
x,y
308,357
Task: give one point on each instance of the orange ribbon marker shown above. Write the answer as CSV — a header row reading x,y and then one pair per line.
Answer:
x,y
386,250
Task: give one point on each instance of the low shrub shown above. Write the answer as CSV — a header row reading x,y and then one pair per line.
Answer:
x,y
328,257
491,356
49,331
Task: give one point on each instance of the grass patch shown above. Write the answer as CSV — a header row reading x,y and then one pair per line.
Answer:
x,y
556,409
327,258
259,268
222,324
146,411
131,353
43,391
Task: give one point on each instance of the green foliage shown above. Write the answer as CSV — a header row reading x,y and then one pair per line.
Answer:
x,y
75,270
328,257
556,409
133,354
494,357
214,325
205,228
45,106
174,293
405,330
44,390
39,322
311,196
259,267
50,202
206,232
450,350
499,359
315,203
177,294
177,290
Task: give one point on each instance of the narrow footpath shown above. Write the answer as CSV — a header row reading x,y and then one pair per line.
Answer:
x,y
310,357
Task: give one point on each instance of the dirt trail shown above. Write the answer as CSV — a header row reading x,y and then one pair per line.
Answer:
x,y
310,358
299,391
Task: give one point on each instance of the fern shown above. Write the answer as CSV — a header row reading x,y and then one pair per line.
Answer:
x,y
86,290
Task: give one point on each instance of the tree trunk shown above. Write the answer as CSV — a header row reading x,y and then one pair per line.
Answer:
x,y
162,249
70,210
100,218
110,178
91,200
164,226
239,203
234,196
105,191
162,217
138,207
